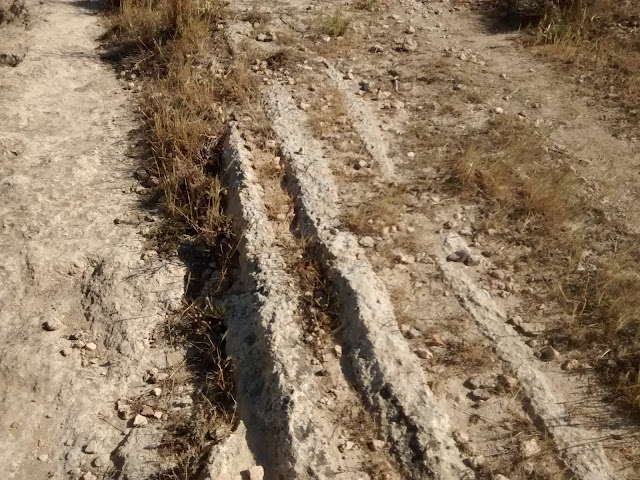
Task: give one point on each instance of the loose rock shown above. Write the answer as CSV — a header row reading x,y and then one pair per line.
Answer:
x,y
367,242
459,256
140,421
91,447
530,448
549,353
569,365
52,325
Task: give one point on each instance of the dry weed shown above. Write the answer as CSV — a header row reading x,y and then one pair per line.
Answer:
x,y
334,25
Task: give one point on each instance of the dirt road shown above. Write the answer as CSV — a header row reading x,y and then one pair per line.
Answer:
x,y
66,266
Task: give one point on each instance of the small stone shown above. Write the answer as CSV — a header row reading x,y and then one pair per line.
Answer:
x,y
413,333
424,353
90,346
410,332
411,155
409,45
459,256
140,421
499,110
480,394
255,473
376,445
448,225
337,349
497,274
66,352
88,476
460,437
500,477
98,462
570,365
52,325
507,381
472,261
157,391
43,458
157,414
530,448
261,37
304,106
367,242
528,469
436,340
549,353
90,448
410,30
475,463
147,411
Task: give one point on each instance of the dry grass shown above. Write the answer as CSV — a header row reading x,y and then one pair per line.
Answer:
x,y
508,165
334,25
369,5
191,89
601,40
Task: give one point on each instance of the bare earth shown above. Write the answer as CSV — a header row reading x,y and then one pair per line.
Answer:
x,y
434,369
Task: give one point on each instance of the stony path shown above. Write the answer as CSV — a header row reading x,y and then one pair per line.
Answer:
x,y
64,178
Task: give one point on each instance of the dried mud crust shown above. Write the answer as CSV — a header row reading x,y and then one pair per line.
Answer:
x,y
503,407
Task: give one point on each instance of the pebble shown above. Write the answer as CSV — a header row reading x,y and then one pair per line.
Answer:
x,y
147,411
460,437
98,462
304,106
367,242
337,350
409,45
157,391
507,381
424,353
88,476
448,225
411,155
255,473
436,340
569,365
375,445
500,477
410,30
52,325
43,458
410,332
90,448
140,421
66,352
530,448
480,394
458,256
549,353
499,110
157,414
475,463
90,346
